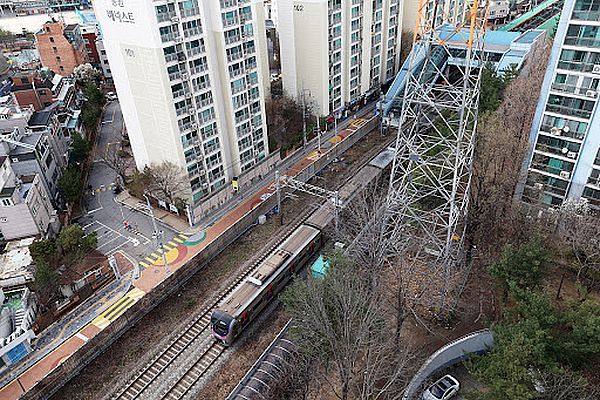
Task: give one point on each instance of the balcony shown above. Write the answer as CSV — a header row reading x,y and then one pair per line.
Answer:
x,y
244,132
181,111
204,102
184,128
230,22
197,69
586,15
178,93
196,50
174,76
566,152
192,32
228,3
232,39
582,42
170,57
564,88
252,80
169,37
166,16
562,133
189,12
235,72
242,117
579,66
234,56
200,86
564,110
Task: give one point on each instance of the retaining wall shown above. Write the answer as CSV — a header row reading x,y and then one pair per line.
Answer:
x,y
452,353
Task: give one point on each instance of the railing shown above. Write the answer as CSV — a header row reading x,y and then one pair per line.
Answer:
x,y
584,42
184,128
564,88
232,39
578,66
243,132
178,93
189,12
196,50
241,118
230,22
234,56
563,110
204,102
202,86
168,37
166,16
192,32
170,57
198,68
238,89
570,134
239,104
174,76
228,3
235,72
181,111
586,15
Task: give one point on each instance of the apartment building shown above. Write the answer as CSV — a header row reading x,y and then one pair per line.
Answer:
x,y
338,51
61,47
191,77
25,205
35,144
564,158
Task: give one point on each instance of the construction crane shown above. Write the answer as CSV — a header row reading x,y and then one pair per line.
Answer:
x,y
428,196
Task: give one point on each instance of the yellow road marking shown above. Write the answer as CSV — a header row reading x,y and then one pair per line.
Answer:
x,y
183,236
150,260
171,243
143,264
178,240
154,255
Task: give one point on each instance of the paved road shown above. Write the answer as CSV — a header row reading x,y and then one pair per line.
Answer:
x,y
104,215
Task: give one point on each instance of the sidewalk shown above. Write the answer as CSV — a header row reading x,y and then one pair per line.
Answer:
x,y
178,223
68,325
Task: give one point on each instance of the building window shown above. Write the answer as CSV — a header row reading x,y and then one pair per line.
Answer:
x,y
51,39
6,202
54,49
61,68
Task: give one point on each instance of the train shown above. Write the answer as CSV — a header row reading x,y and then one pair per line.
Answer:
x,y
246,301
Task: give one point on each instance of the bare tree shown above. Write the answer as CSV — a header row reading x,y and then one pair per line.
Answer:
x,y
579,228
564,385
502,140
166,181
341,323
119,161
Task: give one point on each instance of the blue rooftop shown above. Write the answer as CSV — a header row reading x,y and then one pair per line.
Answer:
x,y
490,38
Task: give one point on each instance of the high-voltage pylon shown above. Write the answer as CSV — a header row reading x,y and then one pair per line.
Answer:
x,y
428,194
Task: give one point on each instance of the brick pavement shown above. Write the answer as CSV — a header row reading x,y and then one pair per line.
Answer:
x,y
153,273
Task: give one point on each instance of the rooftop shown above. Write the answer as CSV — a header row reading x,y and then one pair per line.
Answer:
x,y
40,118
16,263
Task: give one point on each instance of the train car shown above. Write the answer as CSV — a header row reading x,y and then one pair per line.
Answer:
x,y
247,301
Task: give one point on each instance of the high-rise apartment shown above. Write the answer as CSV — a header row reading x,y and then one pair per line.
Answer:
x,y
337,51
564,159
191,76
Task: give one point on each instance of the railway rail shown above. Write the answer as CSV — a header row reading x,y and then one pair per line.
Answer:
x,y
195,330
198,328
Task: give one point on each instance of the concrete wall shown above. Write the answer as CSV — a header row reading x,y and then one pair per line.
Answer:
x,y
448,355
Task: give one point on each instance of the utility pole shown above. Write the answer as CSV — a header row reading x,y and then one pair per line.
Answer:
x,y
158,235
278,186
305,141
319,133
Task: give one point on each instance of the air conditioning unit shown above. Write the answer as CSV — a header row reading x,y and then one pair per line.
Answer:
x,y
191,110
188,95
538,186
590,93
555,131
571,154
184,75
596,69
174,19
194,125
178,39
565,174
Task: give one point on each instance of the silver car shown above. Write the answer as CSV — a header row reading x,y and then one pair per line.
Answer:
x,y
443,389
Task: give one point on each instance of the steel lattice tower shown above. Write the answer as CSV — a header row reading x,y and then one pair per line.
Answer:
x,y
428,195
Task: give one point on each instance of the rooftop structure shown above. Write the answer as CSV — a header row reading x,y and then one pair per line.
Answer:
x,y
16,267
17,315
502,49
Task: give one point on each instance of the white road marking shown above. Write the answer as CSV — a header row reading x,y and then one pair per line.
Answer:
x,y
82,336
88,225
94,210
105,243
114,249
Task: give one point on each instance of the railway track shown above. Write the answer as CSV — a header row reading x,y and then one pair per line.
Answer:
x,y
199,327
196,329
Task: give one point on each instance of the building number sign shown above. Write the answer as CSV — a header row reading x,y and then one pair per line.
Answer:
x,y
299,7
118,14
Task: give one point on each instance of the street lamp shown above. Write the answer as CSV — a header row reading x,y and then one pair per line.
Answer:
x,y
158,235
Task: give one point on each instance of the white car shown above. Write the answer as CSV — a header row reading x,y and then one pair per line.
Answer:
x,y
443,389
111,96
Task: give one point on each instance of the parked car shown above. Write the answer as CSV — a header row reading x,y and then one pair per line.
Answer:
x,y
445,388
111,96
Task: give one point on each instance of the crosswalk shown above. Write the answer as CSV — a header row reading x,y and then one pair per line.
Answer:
x,y
119,308
152,258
